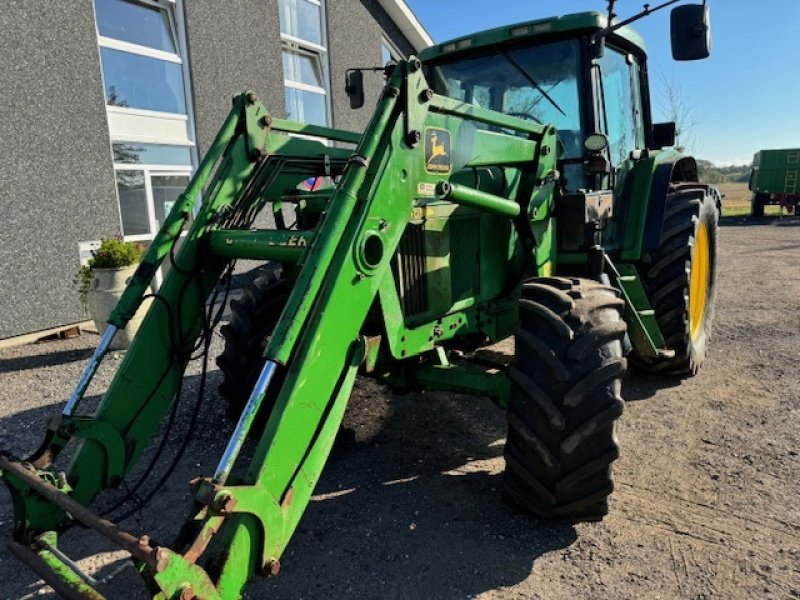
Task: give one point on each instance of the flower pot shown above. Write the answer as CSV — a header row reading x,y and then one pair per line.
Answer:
x,y
105,290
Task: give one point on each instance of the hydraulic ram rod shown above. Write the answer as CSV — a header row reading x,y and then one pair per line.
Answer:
x,y
89,371
245,421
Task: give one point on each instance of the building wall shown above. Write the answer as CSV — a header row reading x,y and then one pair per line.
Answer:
x,y
355,28
57,183
57,180
233,47
237,46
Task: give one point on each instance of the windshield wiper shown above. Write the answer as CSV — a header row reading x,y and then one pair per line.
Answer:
x,y
532,81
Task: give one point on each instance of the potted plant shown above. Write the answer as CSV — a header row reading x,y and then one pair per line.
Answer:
x,y
102,280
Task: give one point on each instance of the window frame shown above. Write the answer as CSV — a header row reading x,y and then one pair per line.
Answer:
x,y
148,170
317,51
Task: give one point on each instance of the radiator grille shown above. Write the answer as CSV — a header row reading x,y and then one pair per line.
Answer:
x,y
410,271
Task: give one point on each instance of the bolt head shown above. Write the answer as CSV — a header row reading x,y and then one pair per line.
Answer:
x,y
413,138
187,593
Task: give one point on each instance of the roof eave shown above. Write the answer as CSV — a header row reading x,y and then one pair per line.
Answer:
x,y
407,22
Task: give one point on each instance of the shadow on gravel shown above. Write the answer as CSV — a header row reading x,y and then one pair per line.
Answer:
x,y
416,510
47,359
641,385
748,222
413,508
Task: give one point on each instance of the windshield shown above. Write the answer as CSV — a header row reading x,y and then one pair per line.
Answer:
x,y
536,82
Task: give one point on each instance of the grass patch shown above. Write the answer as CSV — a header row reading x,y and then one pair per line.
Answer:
x,y
736,202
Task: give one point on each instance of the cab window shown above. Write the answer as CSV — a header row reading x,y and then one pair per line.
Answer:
x,y
620,113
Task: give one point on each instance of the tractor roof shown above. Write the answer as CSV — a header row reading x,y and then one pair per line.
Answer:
x,y
529,30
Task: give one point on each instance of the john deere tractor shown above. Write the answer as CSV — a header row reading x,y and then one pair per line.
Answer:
x,y
509,183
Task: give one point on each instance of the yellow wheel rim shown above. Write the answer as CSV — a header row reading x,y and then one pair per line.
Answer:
x,y
699,281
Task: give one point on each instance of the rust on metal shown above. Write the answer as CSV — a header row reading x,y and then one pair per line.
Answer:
x,y
272,568
202,541
106,528
161,560
287,498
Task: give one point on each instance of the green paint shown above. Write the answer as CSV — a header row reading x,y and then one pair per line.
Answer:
x,y
569,26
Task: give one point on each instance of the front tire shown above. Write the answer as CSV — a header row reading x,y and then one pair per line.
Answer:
x,y
253,318
680,279
565,398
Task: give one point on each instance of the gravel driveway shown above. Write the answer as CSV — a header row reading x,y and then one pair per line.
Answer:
x,y
706,504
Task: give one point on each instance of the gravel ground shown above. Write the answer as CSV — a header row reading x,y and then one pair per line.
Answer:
x,y
707,486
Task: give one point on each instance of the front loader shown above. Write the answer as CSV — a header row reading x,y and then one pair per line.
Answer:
x,y
509,183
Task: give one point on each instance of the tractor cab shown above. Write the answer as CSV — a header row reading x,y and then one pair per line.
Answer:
x,y
572,72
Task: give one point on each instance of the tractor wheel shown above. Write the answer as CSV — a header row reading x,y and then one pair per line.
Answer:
x,y
757,206
680,279
565,398
253,318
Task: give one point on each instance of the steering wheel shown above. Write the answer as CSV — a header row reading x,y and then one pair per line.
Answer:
x,y
526,116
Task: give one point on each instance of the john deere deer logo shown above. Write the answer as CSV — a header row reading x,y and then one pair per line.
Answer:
x,y
437,150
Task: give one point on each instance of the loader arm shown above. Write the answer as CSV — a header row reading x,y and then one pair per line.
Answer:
x,y
246,512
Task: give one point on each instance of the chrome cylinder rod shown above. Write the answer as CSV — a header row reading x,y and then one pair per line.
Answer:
x,y
245,422
89,371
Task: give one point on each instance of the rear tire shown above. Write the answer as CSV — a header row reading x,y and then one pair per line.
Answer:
x,y
685,312
757,203
253,319
565,398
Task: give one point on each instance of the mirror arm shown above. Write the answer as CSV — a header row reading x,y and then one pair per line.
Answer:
x,y
347,87
603,33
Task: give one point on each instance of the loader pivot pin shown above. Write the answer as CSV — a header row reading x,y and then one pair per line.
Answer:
x,y
245,421
89,371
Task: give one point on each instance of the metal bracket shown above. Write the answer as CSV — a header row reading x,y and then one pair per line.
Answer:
x,y
416,102
257,125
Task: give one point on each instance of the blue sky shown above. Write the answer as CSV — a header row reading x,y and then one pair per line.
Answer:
x,y
745,97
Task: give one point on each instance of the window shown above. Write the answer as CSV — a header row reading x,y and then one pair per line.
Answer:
x,y
142,50
305,70
150,177
139,52
540,83
621,119
143,24
389,52
134,81
302,20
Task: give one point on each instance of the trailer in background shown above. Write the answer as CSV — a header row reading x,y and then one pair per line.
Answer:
x,y
775,180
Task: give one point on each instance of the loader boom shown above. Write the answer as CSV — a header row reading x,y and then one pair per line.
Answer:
x,y
344,267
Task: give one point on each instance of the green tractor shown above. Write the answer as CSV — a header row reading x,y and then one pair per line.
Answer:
x,y
509,183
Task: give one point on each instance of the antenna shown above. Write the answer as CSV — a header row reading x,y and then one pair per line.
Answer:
x,y
611,14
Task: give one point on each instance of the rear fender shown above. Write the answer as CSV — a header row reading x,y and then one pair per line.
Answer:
x,y
645,196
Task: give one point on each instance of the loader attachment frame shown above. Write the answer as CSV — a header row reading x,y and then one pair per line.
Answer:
x,y
244,515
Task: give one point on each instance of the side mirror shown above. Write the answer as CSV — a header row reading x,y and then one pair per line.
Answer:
x,y
691,32
663,135
354,87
